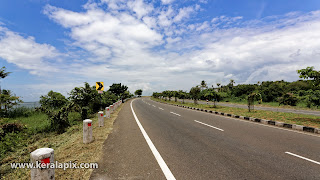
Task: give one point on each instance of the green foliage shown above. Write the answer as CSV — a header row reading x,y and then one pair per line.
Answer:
x,y
203,84
126,95
118,89
310,73
7,100
59,120
20,112
138,92
10,142
168,94
53,100
14,127
156,94
3,72
195,93
83,98
243,89
288,99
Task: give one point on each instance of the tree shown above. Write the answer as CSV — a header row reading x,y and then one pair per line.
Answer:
x,y
3,73
83,98
288,99
53,100
231,83
212,95
310,73
7,99
218,84
203,84
175,94
126,95
167,94
138,92
118,89
182,95
194,93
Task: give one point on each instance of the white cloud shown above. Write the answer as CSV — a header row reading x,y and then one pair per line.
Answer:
x,y
183,13
167,1
140,8
25,52
160,49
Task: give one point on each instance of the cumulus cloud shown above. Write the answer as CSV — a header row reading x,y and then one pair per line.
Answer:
x,y
167,1
159,48
26,53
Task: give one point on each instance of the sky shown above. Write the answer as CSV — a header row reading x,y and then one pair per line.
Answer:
x,y
154,45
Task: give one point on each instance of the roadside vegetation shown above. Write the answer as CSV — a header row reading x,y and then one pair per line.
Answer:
x,y
301,94
23,130
290,118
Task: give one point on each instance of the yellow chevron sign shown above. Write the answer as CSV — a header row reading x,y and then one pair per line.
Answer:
x,y
99,86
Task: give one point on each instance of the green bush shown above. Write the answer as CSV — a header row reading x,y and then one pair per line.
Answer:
x,y
10,142
288,99
20,112
53,100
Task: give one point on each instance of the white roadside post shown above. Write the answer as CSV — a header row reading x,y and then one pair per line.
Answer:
x,y
108,112
100,118
87,131
111,108
44,156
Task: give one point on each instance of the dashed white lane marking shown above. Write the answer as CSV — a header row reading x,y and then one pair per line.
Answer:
x,y
175,113
165,169
209,125
161,108
153,105
316,162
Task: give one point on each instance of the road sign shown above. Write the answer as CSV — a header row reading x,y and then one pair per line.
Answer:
x,y
99,86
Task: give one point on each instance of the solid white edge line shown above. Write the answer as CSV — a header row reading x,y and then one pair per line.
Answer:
x,y
165,169
209,125
175,113
316,162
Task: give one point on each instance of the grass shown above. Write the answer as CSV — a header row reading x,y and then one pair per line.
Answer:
x,y
299,106
67,147
291,118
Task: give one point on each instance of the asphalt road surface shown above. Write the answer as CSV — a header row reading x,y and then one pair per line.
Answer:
x,y
151,140
309,112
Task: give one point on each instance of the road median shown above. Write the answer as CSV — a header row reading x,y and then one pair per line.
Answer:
x,y
299,122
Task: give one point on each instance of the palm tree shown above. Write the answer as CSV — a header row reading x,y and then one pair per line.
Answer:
x,y
203,84
232,82
218,84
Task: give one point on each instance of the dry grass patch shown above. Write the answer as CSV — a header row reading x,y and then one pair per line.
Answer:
x,y
67,147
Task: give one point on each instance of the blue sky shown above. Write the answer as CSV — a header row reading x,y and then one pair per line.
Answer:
x,y
154,45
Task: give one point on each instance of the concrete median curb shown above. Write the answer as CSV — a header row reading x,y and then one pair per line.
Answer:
x,y
257,120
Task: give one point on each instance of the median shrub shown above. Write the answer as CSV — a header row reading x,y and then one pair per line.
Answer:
x,y
288,99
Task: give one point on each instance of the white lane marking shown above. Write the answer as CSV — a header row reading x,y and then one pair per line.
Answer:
x,y
175,113
259,124
165,169
303,157
153,105
161,108
209,125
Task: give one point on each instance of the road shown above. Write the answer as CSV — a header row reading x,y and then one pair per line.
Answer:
x,y
169,142
296,111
